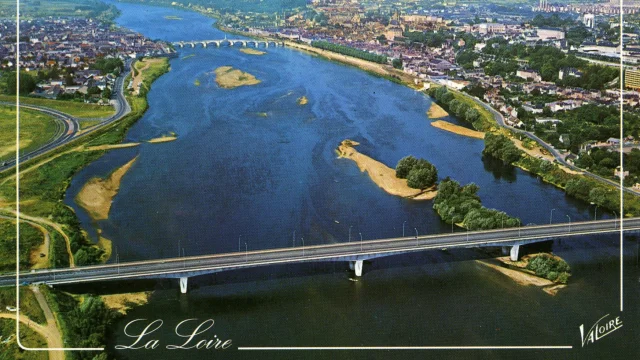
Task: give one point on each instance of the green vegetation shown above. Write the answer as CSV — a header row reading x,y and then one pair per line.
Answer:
x,y
74,108
430,39
30,9
9,349
28,303
547,60
603,163
112,65
30,239
461,205
420,173
586,123
462,107
84,321
349,51
501,147
36,129
9,82
43,188
549,267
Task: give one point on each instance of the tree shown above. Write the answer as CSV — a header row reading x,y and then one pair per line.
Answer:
x,y
404,166
27,83
422,176
598,196
397,63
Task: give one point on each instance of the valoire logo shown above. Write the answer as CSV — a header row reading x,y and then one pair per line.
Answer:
x,y
600,329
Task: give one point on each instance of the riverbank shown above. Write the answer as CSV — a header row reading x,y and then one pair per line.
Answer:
x,y
457,129
44,180
229,78
382,175
97,194
122,303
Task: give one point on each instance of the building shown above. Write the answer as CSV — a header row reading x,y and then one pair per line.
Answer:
x,y
632,79
588,20
529,74
549,34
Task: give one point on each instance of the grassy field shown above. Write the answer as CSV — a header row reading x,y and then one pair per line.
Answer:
x,y
28,303
30,239
36,129
73,108
28,337
43,188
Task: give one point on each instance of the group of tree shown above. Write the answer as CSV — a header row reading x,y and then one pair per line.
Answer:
x,y
550,268
457,107
592,192
9,83
349,51
420,173
86,322
430,39
501,147
461,205
107,65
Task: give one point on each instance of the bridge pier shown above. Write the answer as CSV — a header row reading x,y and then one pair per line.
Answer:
x,y
356,266
515,250
505,250
183,284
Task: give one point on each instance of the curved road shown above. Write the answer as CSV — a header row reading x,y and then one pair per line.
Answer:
x,y
71,125
500,120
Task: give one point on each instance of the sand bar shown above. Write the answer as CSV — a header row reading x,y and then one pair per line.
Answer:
x,y
251,51
456,129
163,139
382,175
228,78
97,194
124,302
436,111
303,100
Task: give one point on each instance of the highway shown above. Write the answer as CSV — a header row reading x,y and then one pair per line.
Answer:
x,y
355,250
68,128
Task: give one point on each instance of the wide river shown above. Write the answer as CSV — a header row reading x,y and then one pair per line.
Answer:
x,y
237,177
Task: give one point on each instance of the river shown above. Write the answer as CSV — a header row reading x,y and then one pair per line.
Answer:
x,y
235,177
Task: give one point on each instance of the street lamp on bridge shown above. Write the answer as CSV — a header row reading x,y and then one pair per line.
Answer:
x,y
404,222
551,217
417,243
350,226
360,241
569,222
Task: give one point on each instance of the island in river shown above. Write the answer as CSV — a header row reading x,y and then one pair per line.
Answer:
x,y
229,78
382,175
97,194
250,51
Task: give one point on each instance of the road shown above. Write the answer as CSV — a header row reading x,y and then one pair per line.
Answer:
x,y
194,265
71,124
500,120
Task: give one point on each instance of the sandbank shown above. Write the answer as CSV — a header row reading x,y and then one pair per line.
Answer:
x,y
456,129
228,78
125,302
382,175
97,194
436,111
303,100
251,51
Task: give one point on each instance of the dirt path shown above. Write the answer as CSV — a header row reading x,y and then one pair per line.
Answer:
x,y
137,80
55,226
50,332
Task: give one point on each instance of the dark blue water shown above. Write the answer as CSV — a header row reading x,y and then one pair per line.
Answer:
x,y
235,173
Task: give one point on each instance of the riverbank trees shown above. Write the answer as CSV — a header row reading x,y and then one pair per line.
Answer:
x,y
501,147
349,51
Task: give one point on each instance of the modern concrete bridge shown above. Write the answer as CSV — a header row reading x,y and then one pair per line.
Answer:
x,y
353,252
229,42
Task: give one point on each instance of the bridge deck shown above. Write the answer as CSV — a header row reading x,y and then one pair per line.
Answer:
x,y
195,265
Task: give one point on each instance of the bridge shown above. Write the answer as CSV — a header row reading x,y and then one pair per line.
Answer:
x,y
229,42
354,252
